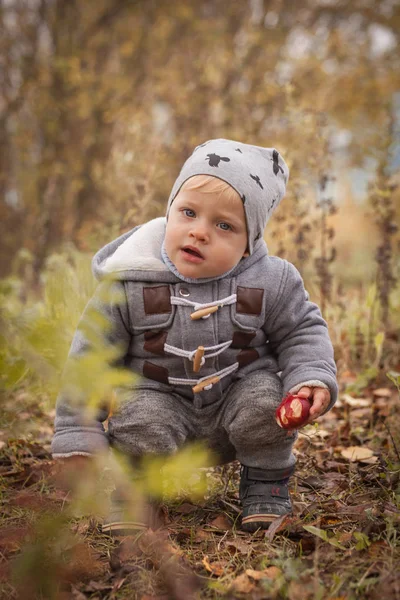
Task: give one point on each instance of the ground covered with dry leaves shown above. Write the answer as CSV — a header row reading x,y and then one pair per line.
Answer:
x,y
342,542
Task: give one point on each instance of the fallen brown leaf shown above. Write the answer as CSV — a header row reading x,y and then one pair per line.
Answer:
x,y
344,537
334,465
239,546
202,535
361,413
242,584
272,572
370,461
216,567
268,573
382,392
378,548
382,407
357,453
32,500
126,552
356,402
186,508
221,522
12,538
322,433
84,564
178,579
276,525
301,590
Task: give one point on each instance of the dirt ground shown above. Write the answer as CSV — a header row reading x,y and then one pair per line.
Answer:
x,y
342,542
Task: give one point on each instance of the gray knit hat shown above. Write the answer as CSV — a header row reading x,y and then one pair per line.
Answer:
x,y
259,175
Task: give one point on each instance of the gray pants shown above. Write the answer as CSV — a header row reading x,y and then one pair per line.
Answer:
x,y
241,425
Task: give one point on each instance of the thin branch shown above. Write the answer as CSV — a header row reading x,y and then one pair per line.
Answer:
x,y
391,437
106,19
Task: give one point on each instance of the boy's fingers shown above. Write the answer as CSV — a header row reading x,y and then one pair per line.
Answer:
x,y
304,392
321,399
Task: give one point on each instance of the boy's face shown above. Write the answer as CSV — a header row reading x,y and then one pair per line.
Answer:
x,y
206,234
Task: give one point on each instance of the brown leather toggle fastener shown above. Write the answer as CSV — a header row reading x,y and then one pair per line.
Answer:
x,y
197,359
203,312
203,384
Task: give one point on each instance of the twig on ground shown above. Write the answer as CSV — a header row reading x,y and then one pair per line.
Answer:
x,y
391,437
232,506
367,572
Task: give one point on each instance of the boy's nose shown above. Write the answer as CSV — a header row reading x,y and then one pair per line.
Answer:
x,y
200,232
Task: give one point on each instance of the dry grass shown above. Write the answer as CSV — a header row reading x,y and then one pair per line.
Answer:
x,y
350,549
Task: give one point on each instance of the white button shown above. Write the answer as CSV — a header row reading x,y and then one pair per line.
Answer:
x,y
184,292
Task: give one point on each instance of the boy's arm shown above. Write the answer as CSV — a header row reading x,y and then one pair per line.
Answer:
x,y
298,335
102,334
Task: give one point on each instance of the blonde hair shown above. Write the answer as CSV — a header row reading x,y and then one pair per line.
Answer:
x,y
208,184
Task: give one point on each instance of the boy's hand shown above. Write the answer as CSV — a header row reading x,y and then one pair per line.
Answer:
x,y
319,398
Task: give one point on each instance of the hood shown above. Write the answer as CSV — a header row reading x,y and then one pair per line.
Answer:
x,y
136,256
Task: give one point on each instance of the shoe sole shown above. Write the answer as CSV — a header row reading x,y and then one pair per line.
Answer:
x,y
261,517
123,527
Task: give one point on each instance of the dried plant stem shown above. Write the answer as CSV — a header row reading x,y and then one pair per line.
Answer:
x,y
392,438
381,198
327,254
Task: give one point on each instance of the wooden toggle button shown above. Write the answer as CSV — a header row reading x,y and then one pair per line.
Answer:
x,y
200,386
203,312
197,359
111,405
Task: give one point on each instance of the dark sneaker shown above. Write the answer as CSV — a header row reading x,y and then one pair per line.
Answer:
x,y
124,519
264,497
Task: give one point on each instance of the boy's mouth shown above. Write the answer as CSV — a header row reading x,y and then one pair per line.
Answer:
x,y
192,254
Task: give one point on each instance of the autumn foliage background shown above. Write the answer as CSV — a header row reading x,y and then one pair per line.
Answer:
x,y
101,103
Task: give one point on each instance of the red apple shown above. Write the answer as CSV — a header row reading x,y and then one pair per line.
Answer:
x,y
292,412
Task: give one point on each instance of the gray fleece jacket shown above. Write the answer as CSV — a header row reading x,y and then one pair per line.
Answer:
x,y
263,320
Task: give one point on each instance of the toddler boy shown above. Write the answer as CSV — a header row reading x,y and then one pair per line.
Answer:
x,y
218,330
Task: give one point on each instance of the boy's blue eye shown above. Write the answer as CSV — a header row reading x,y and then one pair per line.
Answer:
x,y
189,212
224,226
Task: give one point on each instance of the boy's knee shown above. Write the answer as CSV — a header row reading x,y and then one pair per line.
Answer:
x,y
149,423
252,405
259,389
254,427
155,438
